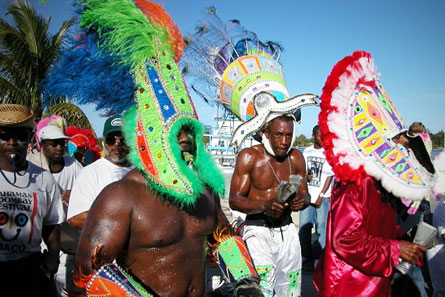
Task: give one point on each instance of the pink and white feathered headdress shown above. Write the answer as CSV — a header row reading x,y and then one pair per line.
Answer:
x,y
439,164
54,120
357,123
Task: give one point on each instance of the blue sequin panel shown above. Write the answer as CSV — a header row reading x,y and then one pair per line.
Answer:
x,y
165,104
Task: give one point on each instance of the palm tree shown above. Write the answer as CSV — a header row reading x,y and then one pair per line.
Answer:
x,y
27,51
73,115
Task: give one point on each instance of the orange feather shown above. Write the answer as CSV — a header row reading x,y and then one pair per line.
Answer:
x,y
156,13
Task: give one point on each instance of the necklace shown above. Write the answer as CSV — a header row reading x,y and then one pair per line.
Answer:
x,y
14,169
273,171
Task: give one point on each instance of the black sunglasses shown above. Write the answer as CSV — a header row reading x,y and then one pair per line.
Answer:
x,y
20,135
55,142
111,139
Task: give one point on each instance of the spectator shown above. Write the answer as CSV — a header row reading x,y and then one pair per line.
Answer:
x,y
31,210
100,173
65,169
319,176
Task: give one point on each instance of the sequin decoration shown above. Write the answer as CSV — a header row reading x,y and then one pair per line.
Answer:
x,y
112,280
373,121
246,77
145,155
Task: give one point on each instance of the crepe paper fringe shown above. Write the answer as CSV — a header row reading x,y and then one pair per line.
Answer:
x,y
341,82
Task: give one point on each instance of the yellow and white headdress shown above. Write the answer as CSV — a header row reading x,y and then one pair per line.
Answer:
x,y
234,68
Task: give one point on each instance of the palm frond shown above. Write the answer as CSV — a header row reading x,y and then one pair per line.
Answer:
x,y
73,115
27,51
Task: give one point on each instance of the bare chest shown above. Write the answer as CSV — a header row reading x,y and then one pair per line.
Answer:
x,y
158,223
267,174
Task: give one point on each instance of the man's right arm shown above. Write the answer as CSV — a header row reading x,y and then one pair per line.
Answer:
x,y
106,229
241,185
82,196
79,220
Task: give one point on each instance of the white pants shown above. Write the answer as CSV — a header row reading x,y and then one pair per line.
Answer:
x,y
63,277
276,254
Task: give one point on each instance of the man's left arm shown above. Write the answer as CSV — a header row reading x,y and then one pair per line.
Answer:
x,y
325,188
51,224
51,237
301,200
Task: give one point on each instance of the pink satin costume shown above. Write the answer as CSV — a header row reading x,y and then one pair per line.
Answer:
x,y
361,247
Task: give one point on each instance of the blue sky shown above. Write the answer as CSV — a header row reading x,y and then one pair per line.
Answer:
x,y
406,38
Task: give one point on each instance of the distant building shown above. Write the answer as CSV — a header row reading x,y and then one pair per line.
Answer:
x,y
219,140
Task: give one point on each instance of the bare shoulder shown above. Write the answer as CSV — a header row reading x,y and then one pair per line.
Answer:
x,y
249,156
121,194
298,160
251,153
296,154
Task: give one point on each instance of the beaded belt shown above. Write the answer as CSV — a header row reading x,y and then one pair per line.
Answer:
x,y
112,280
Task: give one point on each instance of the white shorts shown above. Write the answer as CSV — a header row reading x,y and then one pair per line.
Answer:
x,y
276,254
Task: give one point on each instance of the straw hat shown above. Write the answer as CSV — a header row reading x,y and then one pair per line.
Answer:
x,y
16,115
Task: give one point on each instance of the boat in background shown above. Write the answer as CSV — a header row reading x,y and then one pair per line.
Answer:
x,y
219,140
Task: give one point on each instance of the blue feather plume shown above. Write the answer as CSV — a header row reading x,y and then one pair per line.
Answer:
x,y
87,75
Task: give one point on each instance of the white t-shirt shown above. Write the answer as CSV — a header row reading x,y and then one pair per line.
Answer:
x,y
91,182
32,202
321,170
66,177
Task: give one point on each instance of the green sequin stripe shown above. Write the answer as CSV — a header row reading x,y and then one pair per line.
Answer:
x,y
246,82
169,176
148,108
205,169
234,260
129,126
172,82
294,279
263,273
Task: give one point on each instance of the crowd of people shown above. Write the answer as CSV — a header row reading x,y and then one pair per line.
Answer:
x,y
146,218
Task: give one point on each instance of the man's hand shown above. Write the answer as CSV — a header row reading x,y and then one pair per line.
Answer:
x,y
298,203
51,260
318,202
309,177
66,197
274,209
411,252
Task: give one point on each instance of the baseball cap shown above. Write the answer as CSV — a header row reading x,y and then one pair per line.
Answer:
x,y
51,132
112,124
16,115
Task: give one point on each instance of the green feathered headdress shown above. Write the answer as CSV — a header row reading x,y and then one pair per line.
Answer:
x,y
142,36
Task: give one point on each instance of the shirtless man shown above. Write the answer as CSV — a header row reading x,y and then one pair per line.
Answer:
x,y
160,244
271,237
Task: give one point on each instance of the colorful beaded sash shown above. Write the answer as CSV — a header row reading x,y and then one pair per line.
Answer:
x,y
112,280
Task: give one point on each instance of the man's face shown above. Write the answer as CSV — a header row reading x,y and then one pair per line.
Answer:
x,y
401,139
317,138
14,142
280,133
115,148
186,142
53,149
